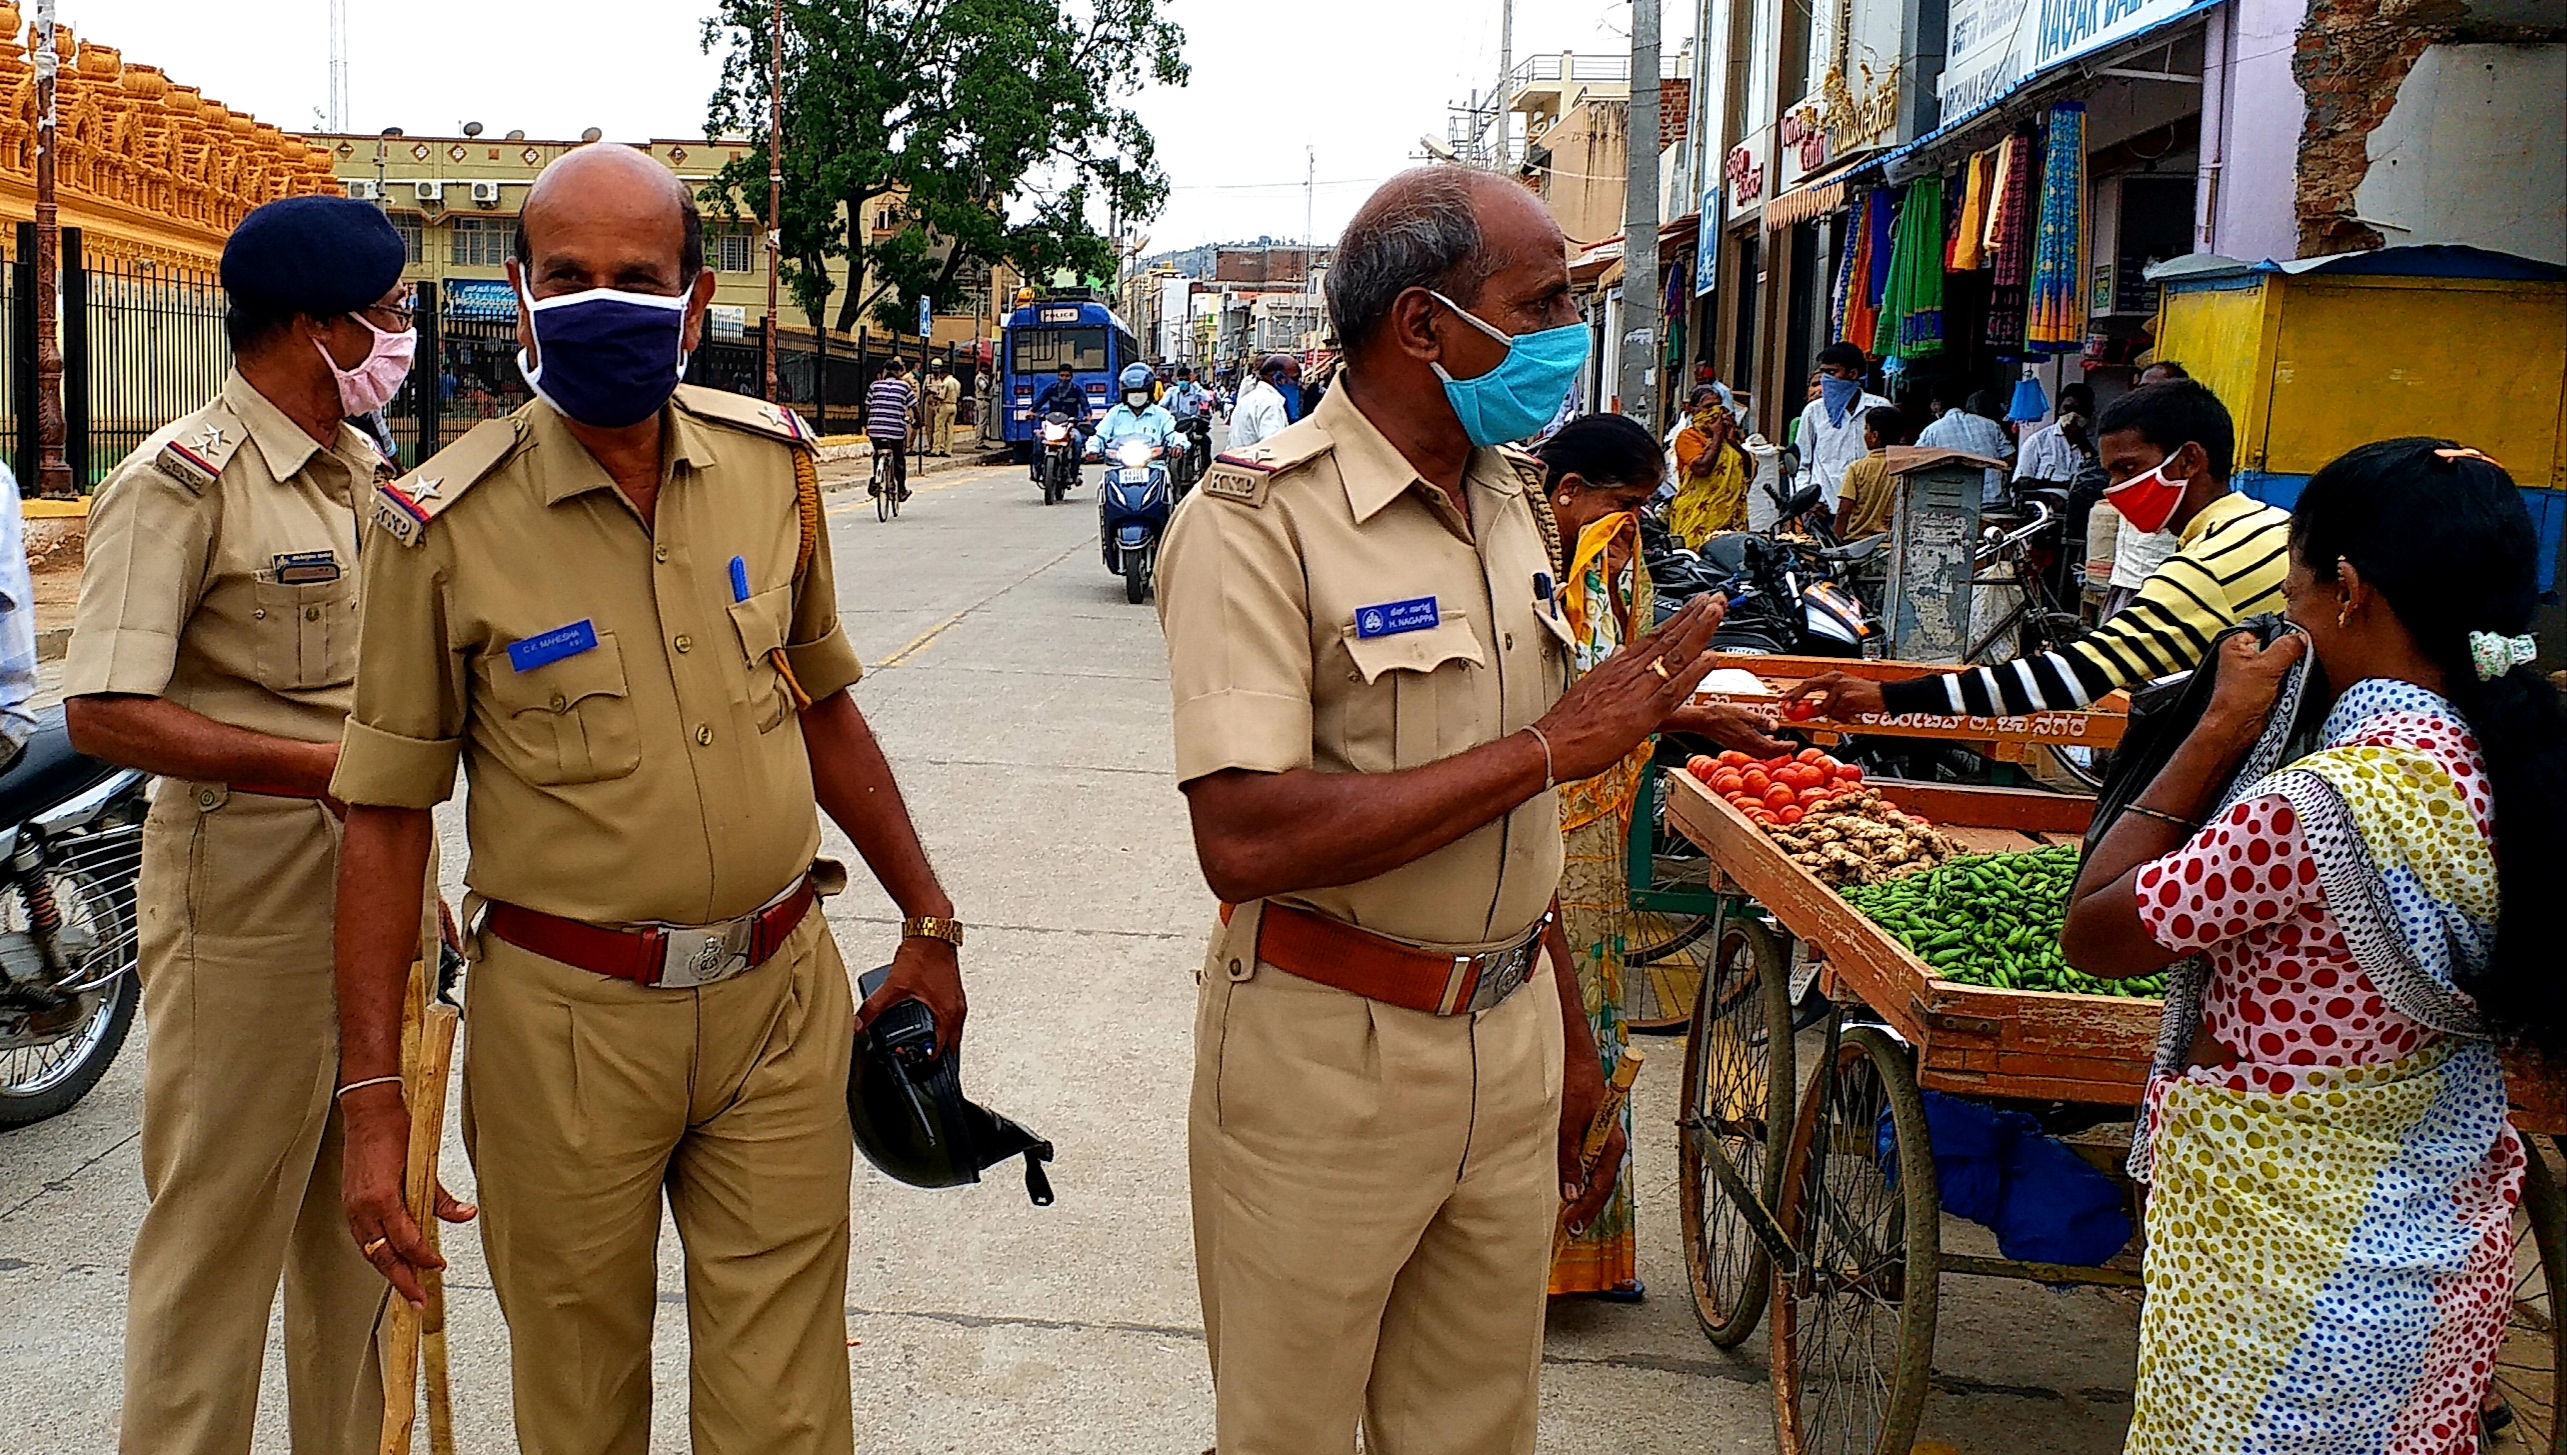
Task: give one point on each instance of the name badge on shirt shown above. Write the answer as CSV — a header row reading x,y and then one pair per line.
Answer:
x,y
1393,617
562,641
305,568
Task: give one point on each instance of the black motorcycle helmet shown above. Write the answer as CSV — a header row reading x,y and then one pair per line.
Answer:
x,y
911,1120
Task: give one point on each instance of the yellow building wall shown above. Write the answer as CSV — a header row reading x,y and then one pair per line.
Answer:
x,y
2359,359
2217,335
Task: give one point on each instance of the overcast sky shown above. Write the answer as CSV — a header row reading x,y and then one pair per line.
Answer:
x,y
1355,80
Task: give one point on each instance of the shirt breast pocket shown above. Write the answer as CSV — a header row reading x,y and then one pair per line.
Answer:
x,y
306,634
570,720
1416,703
762,622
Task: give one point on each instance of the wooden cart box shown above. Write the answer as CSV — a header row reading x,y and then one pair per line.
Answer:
x,y
2014,735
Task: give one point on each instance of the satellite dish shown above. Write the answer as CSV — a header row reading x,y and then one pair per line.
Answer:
x,y
517,135
590,135
472,128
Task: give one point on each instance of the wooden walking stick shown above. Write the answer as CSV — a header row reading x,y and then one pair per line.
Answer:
x,y
1617,1091
427,1052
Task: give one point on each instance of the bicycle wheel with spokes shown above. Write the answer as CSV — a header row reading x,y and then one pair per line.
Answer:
x,y
2528,1377
1737,1100
1853,1327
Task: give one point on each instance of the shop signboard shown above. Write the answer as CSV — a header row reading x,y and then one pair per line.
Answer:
x,y
1707,243
1996,45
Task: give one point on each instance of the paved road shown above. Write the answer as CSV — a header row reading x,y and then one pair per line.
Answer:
x,y
1024,704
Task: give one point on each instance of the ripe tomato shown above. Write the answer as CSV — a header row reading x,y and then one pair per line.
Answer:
x,y
1700,765
1733,759
1762,819
1810,755
1744,802
1812,797
1755,781
1789,816
1849,772
1801,711
1781,795
1726,781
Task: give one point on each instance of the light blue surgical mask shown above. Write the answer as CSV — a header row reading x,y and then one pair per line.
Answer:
x,y
1525,390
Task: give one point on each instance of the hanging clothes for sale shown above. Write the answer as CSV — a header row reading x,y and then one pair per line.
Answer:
x,y
2008,243
2055,314
1883,218
1970,224
1870,272
1848,269
1911,323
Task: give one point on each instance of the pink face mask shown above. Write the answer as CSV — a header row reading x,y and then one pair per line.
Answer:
x,y
370,385
2148,501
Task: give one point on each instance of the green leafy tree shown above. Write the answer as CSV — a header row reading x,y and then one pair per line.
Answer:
x,y
981,131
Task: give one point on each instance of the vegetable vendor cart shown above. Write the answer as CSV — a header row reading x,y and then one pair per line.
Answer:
x,y
1808,1192
1669,935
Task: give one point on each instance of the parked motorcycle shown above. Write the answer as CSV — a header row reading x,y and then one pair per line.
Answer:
x,y
71,836
1056,458
1788,591
1132,513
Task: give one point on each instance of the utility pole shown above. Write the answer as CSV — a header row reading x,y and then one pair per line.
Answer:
x,y
338,65
1505,148
1640,224
1309,211
53,471
775,187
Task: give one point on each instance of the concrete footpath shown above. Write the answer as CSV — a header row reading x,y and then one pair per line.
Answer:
x,y
1024,705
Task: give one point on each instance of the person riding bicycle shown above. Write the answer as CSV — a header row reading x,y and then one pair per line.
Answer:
x,y
1136,417
890,407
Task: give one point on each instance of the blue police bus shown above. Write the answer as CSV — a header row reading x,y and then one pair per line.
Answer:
x,y
1044,335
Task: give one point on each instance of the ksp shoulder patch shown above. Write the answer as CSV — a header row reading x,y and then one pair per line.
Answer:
x,y
195,457
742,412
1240,478
403,507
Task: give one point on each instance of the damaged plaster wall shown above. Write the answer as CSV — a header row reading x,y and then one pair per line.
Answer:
x,y
2475,152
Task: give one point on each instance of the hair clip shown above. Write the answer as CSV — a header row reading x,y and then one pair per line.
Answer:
x,y
2470,452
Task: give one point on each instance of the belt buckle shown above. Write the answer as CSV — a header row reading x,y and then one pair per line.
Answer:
x,y
1504,972
693,956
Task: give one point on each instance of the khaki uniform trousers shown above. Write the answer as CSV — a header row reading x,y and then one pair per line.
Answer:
x,y
1374,1194
940,427
240,1138
585,1098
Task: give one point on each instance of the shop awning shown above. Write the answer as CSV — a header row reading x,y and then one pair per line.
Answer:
x,y
1817,197
1980,125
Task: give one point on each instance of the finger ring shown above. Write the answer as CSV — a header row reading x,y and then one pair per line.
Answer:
x,y
374,1247
1660,667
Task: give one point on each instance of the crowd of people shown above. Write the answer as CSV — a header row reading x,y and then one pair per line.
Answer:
x,y
1416,674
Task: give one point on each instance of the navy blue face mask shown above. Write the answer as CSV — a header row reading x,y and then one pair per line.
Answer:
x,y
610,358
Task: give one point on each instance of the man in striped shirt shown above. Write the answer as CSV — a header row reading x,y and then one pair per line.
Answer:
x,y
2229,567
889,404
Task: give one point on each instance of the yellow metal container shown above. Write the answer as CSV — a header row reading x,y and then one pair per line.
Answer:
x,y
2318,356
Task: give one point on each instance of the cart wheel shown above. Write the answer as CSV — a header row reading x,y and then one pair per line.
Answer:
x,y
1737,1097
1854,1327
2528,1365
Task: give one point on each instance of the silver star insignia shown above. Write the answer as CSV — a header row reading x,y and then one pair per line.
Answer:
x,y
210,437
427,487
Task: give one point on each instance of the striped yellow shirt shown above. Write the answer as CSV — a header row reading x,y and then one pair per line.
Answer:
x,y
2229,568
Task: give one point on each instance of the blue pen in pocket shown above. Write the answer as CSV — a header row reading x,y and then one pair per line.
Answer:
x,y
739,579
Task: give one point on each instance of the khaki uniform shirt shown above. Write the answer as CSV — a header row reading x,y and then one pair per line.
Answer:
x,y
945,393
1276,590
657,775
222,571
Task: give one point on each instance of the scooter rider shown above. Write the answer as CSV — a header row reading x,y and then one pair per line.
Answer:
x,y
1190,406
1135,418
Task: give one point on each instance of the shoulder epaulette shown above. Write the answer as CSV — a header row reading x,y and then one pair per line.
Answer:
x,y
204,444
1244,475
1528,467
739,411
403,507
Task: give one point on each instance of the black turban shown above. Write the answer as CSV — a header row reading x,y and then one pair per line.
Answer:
x,y
321,256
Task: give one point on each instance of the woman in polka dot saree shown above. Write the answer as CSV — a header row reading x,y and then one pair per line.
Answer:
x,y
2332,1177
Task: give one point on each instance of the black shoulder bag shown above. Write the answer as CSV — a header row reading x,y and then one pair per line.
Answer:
x,y
2162,714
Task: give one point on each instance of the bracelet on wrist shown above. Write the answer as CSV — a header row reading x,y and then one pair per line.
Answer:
x,y
933,927
2144,811
369,1081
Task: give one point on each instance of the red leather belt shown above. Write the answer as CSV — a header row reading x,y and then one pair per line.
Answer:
x,y
1359,962
671,957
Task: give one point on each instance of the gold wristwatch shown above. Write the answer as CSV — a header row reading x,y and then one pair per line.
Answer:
x,y
930,927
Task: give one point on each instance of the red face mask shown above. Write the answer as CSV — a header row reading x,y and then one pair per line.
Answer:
x,y
2148,500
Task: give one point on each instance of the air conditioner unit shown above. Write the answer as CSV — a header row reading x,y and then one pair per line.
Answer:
x,y
485,194
364,189
428,191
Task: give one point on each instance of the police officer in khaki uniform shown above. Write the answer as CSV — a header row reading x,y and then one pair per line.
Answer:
x,y
1391,1076
615,610
944,397
216,645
